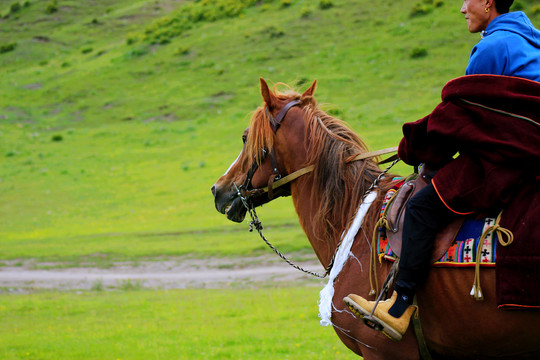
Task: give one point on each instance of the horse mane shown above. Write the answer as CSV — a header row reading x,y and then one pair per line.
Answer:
x,y
339,183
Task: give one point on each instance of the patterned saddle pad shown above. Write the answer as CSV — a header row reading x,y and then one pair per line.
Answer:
x,y
462,251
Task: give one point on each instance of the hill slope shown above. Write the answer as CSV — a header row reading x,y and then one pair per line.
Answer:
x,y
111,148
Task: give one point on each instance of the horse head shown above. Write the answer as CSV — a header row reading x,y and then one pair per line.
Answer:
x,y
273,147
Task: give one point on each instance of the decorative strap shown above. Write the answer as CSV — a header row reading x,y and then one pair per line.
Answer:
x,y
381,223
373,258
476,291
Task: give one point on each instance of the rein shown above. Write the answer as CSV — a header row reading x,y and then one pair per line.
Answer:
x,y
295,175
306,170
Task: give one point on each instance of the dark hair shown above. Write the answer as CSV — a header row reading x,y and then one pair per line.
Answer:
x,y
503,6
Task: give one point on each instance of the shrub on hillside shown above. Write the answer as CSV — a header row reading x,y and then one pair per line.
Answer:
x,y
273,31
325,4
163,30
15,7
285,3
133,38
51,7
183,50
420,9
135,53
438,3
305,12
535,10
418,53
4,48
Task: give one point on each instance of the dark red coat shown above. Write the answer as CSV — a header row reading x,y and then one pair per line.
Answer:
x,y
493,124
497,150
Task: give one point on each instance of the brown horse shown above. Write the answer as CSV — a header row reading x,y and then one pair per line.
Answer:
x,y
289,132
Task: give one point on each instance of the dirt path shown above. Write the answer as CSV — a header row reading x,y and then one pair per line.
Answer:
x,y
178,273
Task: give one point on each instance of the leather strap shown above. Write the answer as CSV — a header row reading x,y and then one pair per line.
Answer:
x,y
295,175
276,122
417,325
372,154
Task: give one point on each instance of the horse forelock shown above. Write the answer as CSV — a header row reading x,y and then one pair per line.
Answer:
x,y
261,135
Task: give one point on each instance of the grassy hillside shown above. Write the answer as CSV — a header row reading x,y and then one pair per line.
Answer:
x,y
116,117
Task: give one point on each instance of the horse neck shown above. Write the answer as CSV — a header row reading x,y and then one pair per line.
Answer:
x,y
325,248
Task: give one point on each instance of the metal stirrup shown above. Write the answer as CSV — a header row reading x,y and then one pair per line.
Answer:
x,y
369,320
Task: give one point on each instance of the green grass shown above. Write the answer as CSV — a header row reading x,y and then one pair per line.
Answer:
x,y
261,324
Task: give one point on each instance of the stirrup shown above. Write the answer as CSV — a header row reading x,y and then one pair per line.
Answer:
x,y
373,322
370,320
388,282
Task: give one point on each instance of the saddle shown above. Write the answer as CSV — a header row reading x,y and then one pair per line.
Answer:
x,y
395,211
517,265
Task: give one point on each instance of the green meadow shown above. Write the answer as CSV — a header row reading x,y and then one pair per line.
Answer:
x,y
264,323
116,117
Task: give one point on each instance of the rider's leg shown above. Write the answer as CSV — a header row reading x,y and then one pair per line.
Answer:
x,y
426,214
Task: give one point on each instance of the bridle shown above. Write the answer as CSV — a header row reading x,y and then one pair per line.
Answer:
x,y
275,123
276,180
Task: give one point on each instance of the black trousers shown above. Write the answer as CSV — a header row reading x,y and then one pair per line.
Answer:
x,y
426,214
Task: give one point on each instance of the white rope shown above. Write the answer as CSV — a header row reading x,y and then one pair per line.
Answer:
x,y
327,293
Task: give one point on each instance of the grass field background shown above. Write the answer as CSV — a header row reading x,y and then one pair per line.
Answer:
x,y
263,323
116,117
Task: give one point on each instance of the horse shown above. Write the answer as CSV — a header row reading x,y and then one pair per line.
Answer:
x,y
288,132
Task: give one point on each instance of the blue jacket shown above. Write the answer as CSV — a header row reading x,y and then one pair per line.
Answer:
x,y
510,46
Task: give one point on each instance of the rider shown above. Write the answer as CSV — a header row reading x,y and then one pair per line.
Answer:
x,y
510,46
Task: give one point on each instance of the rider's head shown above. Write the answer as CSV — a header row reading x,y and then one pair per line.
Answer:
x,y
479,13
503,6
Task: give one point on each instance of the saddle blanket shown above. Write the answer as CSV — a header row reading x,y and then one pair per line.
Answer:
x,y
462,252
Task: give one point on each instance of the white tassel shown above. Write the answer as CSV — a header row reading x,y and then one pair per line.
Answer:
x,y
327,293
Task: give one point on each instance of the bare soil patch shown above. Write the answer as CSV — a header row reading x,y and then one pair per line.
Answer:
x,y
178,273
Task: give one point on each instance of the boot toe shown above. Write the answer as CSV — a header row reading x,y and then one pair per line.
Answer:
x,y
358,305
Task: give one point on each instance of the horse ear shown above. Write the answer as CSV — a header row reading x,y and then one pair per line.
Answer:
x,y
267,95
311,90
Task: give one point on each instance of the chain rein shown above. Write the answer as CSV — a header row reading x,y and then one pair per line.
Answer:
x,y
256,223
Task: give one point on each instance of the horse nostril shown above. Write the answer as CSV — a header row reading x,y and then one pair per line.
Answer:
x,y
214,190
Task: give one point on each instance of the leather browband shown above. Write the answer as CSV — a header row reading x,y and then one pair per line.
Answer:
x,y
276,122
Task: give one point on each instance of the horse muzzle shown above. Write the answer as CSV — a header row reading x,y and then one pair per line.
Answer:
x,y
229,204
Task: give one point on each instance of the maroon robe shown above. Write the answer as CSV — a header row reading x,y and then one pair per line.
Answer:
x,y
493,123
